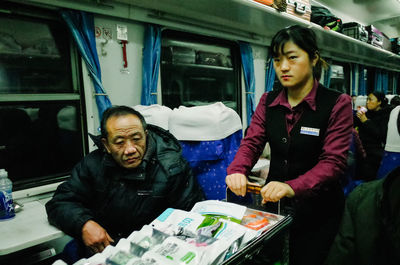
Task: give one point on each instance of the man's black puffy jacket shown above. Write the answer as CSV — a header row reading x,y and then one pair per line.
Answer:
x,y
369,233
123,200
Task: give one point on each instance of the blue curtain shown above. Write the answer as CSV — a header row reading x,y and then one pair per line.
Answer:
x,y
385,81
354,68
378,80
395,80
381,81
151,64
362,86
270,75
81,25
248,69
327,76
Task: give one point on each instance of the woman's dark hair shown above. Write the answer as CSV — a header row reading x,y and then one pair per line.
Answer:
x,y
381,97
303,37
116,111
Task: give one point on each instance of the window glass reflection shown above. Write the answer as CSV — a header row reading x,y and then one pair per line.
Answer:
x,y
34,57
39,140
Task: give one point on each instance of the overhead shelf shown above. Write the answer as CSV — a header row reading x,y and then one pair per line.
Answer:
x,y
200,66
257,23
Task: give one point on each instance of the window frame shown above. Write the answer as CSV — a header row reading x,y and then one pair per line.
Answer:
x,y
76,96
207,40
346,75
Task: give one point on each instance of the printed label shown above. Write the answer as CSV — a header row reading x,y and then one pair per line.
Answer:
x,y
309,131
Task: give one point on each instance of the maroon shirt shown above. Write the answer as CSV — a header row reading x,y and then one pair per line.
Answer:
x,y
332,161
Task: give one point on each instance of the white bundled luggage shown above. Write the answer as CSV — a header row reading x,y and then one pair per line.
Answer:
x,y
204,123
155,114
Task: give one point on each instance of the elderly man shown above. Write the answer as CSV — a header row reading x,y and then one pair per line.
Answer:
x,y
136,173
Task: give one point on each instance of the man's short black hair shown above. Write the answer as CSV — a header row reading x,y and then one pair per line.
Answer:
x,y
116,111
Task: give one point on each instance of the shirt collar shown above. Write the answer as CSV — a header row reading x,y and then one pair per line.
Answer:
x,y
281,99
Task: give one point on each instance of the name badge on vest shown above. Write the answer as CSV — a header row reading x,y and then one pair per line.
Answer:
x,y
309,131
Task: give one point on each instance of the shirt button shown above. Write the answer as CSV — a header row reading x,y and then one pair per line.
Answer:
x,y
284,140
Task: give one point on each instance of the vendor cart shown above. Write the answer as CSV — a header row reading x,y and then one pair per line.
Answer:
x,y
249,252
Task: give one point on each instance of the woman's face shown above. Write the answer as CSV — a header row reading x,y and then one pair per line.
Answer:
x,y
293,66
372,103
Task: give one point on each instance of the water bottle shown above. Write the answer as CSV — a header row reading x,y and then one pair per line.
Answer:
x,y
6,201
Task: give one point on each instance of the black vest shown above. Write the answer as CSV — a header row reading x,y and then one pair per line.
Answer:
x,y
293,155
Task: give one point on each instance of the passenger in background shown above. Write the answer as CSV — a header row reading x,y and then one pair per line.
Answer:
x,y
372,125
309,129
370,228
136,173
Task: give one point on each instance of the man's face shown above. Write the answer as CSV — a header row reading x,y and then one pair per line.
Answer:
x,y
126,140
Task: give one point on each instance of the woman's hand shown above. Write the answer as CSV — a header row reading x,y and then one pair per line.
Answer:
x,y
275,190
361,116
237,183
95,237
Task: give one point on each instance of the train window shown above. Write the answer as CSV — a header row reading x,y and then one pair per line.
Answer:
x,y
198,71
40,105
340,77
34,57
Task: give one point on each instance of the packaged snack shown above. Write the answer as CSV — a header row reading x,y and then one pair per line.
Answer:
x,y
138,261
258,220
174,251
145,239
119,258
213,207
177,222
192,251
123,244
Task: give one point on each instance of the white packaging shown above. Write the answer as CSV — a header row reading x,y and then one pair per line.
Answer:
x,y
214,207
144,240
175,251
177,222
124,245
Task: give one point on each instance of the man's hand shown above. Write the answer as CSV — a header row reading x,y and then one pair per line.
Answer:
x,y
95,237
237,183
275,190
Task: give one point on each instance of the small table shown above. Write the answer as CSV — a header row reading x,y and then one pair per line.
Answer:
x,y
28,228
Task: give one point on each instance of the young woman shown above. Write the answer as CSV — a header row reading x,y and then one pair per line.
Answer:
x,y
308,128
372,127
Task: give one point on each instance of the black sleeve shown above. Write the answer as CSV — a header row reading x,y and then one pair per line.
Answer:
x,y
343,248
68,209
187,190
377,127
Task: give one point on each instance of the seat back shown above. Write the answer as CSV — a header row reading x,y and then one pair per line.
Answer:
x,y
210,137
391,156
155,114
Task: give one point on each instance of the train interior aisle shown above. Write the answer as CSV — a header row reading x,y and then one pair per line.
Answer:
x,y
62,63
